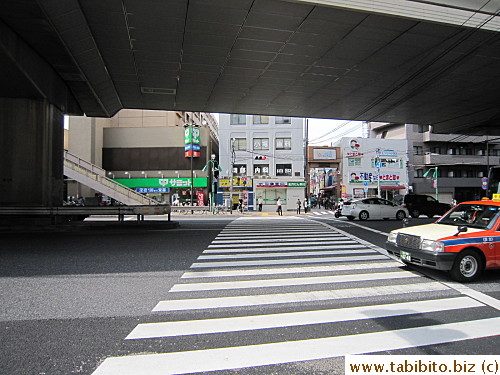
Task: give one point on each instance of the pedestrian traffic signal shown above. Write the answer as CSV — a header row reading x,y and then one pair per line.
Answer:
x,y
260,157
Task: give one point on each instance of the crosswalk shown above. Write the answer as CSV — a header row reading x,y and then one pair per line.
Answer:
x,y
273,291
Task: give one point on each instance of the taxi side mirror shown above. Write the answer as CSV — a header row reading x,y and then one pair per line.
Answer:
x,y
462,229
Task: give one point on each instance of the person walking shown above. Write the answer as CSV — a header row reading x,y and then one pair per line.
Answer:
x,y
299,205
260,202
240,205
279,208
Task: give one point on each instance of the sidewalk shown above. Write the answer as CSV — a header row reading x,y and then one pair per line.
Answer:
x,y
236,213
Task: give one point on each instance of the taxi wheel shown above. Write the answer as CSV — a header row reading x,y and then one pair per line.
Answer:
x,y
467,266
363,215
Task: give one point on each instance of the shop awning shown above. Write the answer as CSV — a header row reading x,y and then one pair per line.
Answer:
x,y
331,187
392,187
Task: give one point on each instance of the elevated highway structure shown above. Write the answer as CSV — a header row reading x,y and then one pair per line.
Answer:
x,y
426,62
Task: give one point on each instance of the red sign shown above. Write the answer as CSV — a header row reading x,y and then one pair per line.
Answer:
x,y
196,154
200,198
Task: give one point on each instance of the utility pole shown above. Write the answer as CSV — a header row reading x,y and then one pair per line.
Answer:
x,y
231,178
377,164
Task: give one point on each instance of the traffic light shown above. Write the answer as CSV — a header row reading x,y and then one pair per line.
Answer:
x,y
260,157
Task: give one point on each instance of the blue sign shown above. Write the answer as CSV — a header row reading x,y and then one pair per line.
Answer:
x,y
153,190
192,147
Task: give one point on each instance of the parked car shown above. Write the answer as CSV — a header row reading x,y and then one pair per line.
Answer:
x,y
419,204
464,242
373,208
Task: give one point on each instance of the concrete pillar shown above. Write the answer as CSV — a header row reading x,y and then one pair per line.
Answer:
x,y
31,153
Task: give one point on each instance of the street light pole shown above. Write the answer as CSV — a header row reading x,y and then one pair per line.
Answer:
x,y
435,177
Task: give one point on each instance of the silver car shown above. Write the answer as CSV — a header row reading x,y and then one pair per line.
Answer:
x,y
373,208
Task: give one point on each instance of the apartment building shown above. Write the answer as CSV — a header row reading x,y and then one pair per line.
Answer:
x,y
261,156
459,162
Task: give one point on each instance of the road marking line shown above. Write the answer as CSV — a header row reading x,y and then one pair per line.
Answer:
x,y
278,240
340,245
275,234
292,270
247,263
354,249
314,296
270,283
246,323
295,351
274,244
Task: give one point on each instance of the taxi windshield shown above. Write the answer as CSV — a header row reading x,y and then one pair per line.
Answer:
x,y
479,216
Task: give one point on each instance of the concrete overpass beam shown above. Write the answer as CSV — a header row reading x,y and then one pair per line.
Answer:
x,y
31,153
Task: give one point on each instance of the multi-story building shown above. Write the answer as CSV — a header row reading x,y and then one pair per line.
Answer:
x,y
454,164
372,167
261,156
145,150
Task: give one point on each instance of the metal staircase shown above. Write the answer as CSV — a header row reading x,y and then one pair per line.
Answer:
x,y
94,177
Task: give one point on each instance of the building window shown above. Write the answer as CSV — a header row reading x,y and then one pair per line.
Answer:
x,y
419,173
354,162
283,169
261,143
239,169
240,144
282,120
435,150
257,119
238,119
423,128
418,150
261,170
283,143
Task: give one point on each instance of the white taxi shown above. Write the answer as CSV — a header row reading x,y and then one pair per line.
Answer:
x,y
464,242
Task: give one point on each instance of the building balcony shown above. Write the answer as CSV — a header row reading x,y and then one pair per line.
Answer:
x,y
454,138
445,159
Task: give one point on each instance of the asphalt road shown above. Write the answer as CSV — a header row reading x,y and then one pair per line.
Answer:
x,y
69,300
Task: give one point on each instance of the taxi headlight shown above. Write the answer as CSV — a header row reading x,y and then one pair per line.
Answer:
x,y
392,237
432,246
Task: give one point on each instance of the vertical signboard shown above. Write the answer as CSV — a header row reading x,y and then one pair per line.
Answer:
x,y
191,141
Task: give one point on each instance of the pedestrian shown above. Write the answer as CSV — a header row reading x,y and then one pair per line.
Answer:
x,y
299,205
279,208
260,202
306,205
240,205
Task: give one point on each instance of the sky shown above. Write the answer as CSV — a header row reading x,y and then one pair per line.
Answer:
x,y
323,132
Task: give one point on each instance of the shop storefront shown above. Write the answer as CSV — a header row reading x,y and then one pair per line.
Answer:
x,y
172,190
230,194
272,189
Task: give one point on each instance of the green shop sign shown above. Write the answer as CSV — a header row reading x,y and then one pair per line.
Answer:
x,y
191,135
299,184
162,182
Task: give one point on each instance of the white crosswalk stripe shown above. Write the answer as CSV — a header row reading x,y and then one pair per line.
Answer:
x,y
245,323
283,268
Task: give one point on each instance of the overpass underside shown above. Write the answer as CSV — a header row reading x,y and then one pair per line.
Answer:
x,y
426,62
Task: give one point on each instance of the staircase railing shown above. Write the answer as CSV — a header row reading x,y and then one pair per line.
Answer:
x,y
98,174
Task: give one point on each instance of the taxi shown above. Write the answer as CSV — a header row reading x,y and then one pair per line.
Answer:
x,y
465,241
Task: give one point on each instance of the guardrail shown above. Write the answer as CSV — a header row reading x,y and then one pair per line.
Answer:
x,y
121,211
